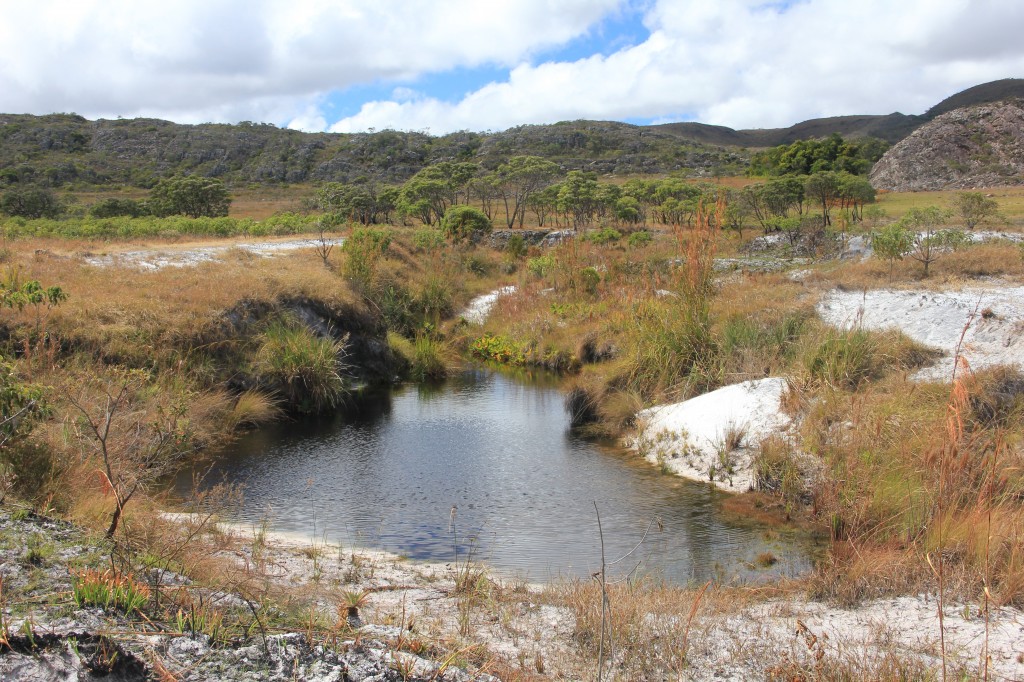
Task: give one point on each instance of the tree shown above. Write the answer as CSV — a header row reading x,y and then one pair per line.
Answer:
x,y
823,189
929,242
974,208
854,192
30,203
136,443
465,222
892,243
189,195
518,179
577,198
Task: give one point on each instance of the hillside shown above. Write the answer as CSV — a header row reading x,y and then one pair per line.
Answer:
x,y
59,149
890,127
979,146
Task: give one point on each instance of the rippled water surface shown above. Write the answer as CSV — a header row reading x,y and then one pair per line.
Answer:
x,y
387,472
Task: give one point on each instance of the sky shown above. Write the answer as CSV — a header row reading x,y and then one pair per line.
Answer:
x,y
445,65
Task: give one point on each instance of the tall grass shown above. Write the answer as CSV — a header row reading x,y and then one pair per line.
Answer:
x,y
301,366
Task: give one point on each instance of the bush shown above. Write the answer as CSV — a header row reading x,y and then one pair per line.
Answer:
x,y
606,235
190,195
465,223
540,266
516,246
30,203
427,239
113,208
639,239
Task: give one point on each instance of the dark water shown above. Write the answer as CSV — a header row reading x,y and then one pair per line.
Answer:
x,y
387,473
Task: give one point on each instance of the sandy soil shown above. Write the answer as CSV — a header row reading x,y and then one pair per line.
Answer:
x,y
185,255
732,637
480,307
691,438
992,315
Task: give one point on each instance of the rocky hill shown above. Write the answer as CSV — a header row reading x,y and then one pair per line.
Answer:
x,y
59,149
978,146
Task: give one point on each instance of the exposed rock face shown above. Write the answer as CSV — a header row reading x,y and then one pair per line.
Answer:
x,y
981,146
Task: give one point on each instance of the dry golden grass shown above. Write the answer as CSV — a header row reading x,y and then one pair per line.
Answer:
x,y
1010,200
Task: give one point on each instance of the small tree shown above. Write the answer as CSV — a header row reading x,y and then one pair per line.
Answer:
x,y
465,222
136,444
190,195
892,243
823,188
929,242
31,203
974,208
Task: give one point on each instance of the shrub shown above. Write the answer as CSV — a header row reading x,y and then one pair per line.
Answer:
x,y
540,266
639,239
516,246
30,203
190,195
113,207
363,250
605,235
499,349
427,239
465,223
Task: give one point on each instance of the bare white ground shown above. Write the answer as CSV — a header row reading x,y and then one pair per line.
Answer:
x,y
170,256
480,307
993,317
734,640
691,438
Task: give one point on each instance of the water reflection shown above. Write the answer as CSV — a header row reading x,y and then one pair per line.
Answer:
x,y
387,471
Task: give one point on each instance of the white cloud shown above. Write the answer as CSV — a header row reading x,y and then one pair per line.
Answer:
x,y
744,63
195,59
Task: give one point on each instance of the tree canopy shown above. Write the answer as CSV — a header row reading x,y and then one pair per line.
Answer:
x,y
190,195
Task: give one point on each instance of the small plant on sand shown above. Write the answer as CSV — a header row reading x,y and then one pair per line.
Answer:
x,y
108,589
348,607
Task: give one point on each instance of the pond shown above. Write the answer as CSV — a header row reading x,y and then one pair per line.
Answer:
x,y
387,471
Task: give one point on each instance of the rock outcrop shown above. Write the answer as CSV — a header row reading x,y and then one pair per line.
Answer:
x,y
980,146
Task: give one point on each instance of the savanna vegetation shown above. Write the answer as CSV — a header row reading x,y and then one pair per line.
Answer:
x,y
652,290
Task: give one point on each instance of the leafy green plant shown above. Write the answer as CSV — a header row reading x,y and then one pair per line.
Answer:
x,y
540,266
603,236
108,589
499,349
363,249
639,239
465,223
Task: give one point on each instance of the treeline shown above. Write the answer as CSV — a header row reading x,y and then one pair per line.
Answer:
x,y
190,195
531,186
806,157
521,188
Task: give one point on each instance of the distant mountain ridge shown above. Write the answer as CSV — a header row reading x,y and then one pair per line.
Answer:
x,y
889,127
58,149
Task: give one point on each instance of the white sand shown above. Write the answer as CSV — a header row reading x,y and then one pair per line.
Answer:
x,y
938,318
480,307
185,256
687,438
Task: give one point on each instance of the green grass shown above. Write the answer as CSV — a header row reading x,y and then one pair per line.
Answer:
x,y
150,227
301,366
